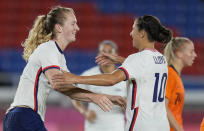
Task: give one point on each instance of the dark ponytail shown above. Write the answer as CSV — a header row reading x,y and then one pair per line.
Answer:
x,y
155,31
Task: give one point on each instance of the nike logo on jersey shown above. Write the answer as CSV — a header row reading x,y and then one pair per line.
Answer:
x,y
159,60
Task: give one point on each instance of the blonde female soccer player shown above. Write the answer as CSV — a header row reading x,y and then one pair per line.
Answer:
x,y
43,51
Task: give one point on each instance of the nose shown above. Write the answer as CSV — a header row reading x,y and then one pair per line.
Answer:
x,y
195,55
77,28
131,33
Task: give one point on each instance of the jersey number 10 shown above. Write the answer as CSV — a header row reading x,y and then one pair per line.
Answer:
x,y
162,87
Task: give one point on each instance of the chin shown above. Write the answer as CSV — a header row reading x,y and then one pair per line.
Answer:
x,y
190,64
72,40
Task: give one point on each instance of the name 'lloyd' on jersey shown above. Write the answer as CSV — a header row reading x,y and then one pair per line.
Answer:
x,y
159,60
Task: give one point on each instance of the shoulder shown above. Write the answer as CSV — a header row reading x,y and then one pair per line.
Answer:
x,y
132,57
132,61
139,55
47,46
150,53
172,74
136,59
47,49
171,71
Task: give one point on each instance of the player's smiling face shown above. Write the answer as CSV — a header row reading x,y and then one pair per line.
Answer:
x,y
70,27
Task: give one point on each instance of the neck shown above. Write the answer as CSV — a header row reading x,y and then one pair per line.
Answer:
x,y
62,43
108,68
146,45
178,66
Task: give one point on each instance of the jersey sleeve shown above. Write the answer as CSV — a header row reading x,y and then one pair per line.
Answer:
x,y
170,86
49,59
132,67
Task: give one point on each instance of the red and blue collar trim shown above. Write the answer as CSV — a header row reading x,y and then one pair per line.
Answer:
x,y
58,48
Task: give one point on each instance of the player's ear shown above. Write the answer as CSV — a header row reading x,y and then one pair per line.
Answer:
x,y
179,54
142,33
58,28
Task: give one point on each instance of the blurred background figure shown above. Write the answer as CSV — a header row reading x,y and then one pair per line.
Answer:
x,y
99,20
96,119
179,53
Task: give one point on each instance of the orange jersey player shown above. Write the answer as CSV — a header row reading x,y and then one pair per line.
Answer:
x,y
179,53
175,93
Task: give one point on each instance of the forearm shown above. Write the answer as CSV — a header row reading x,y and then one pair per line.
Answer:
x,y
79,94
100,80
173,122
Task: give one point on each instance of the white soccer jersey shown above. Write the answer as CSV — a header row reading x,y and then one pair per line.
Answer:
x,y
105,121
146,72
34,88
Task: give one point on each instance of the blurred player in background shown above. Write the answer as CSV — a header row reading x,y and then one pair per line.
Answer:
x,y
96,119
179,53
43,51
146,72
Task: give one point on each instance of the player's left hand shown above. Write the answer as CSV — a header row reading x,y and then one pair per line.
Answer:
x,y
118,100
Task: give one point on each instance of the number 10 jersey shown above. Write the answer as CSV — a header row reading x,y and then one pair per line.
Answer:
x,y
146,72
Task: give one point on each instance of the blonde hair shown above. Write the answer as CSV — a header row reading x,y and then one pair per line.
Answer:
x,y
43,29
174,45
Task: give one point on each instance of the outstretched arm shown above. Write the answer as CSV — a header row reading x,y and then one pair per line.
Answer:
x,y
107,58
62,79
105,102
